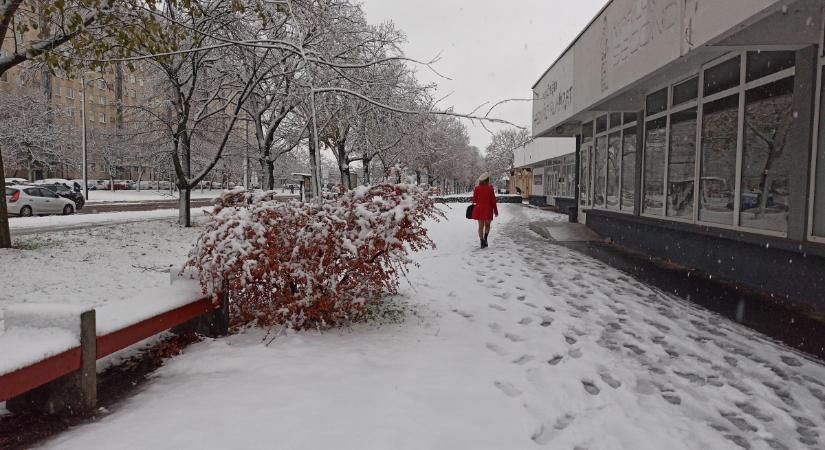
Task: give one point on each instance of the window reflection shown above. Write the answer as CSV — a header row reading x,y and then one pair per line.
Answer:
x,y
819,193
765,162
599,166
654,166
718,165
628,169
681,165
614,145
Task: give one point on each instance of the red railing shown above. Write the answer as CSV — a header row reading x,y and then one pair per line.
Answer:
x,y
22,380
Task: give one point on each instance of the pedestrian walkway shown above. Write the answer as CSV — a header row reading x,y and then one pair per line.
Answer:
x,y
523,345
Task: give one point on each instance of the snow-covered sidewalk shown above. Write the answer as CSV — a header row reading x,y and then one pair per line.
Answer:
x,y
146,195
522,345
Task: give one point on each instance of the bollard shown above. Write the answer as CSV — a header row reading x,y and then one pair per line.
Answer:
x,y
72,394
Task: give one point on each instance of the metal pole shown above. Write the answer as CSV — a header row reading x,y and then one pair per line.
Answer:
x,y
83,128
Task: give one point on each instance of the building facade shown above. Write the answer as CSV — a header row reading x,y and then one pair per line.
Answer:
x,y
544,170
701,137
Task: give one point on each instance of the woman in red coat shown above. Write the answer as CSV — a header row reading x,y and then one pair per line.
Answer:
x,y
485,208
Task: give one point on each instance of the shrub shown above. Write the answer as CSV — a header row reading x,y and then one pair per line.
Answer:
x,y
311,266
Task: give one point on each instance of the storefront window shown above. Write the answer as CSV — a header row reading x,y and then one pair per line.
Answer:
x,y
819,192
628,169
718,165
681,165
599,165
762,64
614,145
765,163
654,166
722,76
586,151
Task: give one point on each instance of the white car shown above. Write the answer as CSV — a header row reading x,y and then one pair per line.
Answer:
x,y
27,201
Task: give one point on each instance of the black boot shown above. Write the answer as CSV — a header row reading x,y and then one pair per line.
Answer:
x,y
485,240
483,243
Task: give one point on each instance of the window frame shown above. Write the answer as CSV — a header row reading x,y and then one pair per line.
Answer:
x,y
817,131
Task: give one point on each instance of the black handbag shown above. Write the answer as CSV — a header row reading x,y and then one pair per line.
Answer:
x,y
470,210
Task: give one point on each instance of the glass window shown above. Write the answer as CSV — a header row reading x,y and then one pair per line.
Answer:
x,y
34,192
587,132
656,102
722,76
628,169
761,64
765,163
720,122
681,164
584,178
615,120
654,166
601,124
614,145
819,193
69,92
599,166
630,117
686,91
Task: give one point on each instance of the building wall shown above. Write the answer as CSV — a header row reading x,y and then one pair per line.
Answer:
x,y
724,170
630,40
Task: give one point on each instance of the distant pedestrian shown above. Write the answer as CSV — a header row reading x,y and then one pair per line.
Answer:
x,y
485,207
292,189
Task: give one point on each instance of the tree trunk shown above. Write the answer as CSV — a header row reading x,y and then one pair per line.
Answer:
x,y
184,218
5,233
367,180
270,175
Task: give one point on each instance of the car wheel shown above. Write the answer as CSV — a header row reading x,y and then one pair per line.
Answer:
x,y
68,210
80,204
26,211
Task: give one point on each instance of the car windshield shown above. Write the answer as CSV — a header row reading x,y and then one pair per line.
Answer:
x,y
59,188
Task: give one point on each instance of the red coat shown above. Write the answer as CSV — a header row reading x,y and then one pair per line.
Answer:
x,y
485,200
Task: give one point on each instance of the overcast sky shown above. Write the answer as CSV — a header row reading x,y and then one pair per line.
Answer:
x,y
491,49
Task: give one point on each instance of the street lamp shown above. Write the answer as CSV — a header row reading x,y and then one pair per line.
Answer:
x,y
83,128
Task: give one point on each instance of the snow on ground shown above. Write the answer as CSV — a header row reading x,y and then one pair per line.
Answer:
x,y
522,345
93,266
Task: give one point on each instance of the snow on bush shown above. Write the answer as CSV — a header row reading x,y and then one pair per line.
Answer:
x,y
310,266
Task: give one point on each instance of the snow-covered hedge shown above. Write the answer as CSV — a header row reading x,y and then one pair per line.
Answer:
x,y
307,266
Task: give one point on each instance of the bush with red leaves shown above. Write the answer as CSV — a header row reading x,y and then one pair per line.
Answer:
x,y
310,266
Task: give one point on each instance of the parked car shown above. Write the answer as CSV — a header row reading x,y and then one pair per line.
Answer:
x,y
92,185
27,201
64,191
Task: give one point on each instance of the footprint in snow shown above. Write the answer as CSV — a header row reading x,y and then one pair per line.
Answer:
x,y
521,298
555,360
546,322
590,387
463,314
496,349
497,307
508,389
609,380
513,337
570,340
575,353
548,431
525,321
494,327
523,359
791,361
